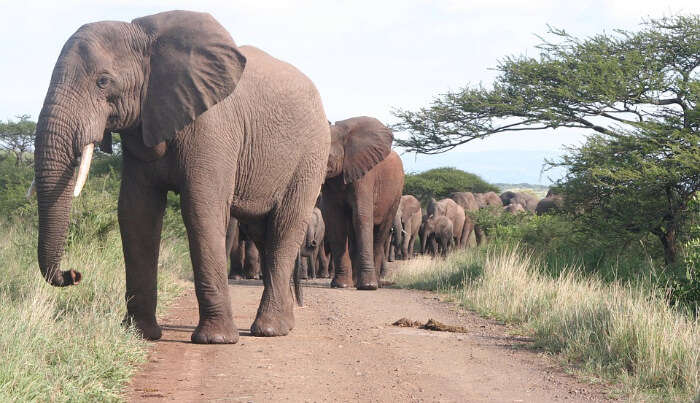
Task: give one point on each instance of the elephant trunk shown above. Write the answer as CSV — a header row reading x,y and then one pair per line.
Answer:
x,y
54,176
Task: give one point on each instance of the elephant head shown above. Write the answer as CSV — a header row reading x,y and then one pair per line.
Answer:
x,y
147,79
357,145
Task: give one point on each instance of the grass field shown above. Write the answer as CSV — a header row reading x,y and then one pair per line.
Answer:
x,y
67,344
606,331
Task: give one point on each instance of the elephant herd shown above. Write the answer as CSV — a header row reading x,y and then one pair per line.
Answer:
x,y
244,140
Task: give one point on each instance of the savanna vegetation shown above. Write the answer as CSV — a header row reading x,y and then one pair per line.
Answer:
x,y
67,344
612,281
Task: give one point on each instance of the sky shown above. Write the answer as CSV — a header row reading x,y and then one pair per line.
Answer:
x,y
365,57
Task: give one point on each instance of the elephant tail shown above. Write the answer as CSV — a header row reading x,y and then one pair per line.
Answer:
x,y
296,277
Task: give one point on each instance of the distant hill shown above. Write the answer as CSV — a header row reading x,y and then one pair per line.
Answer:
x,y
539,190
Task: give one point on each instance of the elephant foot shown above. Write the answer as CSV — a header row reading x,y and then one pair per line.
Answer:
x,y
335,283
367,280
235,277
215,332
146,328
272,324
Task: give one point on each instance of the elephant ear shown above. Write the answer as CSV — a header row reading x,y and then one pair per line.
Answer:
x,y
367,143
193,63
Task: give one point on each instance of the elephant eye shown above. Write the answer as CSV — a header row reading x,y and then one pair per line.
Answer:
x,y
102,82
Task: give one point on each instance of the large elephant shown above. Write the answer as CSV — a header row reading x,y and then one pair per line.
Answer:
x,y
233,130
359,208
453,211
406,225
527,200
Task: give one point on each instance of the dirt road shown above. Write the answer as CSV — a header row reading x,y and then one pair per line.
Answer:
x,y
344,349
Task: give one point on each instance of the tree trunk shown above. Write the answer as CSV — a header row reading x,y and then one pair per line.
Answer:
x,y
668,240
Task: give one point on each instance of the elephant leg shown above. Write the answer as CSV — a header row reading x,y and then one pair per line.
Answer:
x,y
251,267
382,233
466,233
206,230
236,250
479,235
323,263
405,242
312,264
365,250
283,237
140,221
338,231
389,250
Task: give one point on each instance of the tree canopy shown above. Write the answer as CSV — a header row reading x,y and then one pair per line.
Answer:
x,y
608,83
17,137
635,92
441,182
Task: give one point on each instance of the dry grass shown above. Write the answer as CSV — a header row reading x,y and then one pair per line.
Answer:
x,y
628,335
67,344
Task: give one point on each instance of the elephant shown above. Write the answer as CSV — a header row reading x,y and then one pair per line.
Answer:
x,y
447,207
359,208
488,199
232,130
406,225
473,202
551,203
527,200
243,253
514,208
312,252
438,234
466,200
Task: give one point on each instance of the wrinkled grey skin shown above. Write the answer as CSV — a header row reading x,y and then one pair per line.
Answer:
x,y
514,208
450,209
527,200
438,232
405,227
550,204
166,83
314,260
359,206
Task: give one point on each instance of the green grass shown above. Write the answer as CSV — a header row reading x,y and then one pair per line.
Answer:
x,y
616,332
67,344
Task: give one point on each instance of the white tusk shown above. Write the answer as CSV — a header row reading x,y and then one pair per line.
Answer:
x,y
32,190
85,160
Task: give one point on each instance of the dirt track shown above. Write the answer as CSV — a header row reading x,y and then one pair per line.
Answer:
x,y
344,349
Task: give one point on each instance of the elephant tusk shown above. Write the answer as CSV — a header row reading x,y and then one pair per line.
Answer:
x,y
85,160
32,190
403,231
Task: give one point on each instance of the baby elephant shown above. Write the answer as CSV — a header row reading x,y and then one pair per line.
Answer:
x,y
312,253
439,233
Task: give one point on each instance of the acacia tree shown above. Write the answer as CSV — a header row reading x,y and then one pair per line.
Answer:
x,y
17,137
636,92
